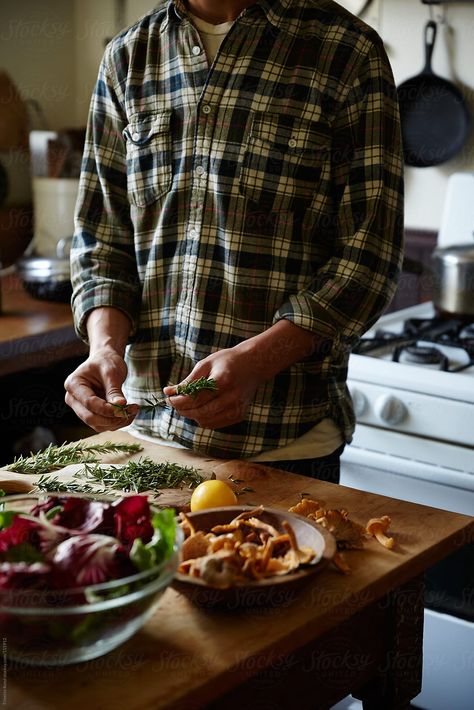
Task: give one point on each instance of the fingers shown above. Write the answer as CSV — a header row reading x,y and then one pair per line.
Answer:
x,y
84,395
216,412
188,402
87,390
96,421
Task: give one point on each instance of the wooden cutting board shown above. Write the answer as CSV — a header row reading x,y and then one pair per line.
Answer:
x,y
251,482
24,483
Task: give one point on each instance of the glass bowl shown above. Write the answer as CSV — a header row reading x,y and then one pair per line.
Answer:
x,y
56,628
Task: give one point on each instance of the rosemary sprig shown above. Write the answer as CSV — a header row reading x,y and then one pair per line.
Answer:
x,y
142,475
191,388
122,408
195,386
55,484
55,457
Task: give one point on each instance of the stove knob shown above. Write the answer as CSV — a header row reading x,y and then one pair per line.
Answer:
x,y
390,410
359,400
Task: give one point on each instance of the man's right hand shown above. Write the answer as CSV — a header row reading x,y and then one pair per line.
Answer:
x,y
94,385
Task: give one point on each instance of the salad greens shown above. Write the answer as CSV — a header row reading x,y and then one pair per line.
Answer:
x,y
68,542
147,555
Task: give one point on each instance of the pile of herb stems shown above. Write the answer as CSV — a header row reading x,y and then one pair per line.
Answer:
x,y
133,477
56,457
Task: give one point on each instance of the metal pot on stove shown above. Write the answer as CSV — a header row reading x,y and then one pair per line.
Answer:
x,y
453,283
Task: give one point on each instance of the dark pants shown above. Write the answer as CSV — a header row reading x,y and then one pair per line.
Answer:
x,y
326,468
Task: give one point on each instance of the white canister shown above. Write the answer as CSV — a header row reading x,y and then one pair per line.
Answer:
x,y
54,201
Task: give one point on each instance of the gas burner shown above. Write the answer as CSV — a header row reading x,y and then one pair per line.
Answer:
x,y
432,328
420,355
467,333
439,343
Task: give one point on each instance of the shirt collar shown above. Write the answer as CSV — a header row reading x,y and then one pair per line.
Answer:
x,y
275,10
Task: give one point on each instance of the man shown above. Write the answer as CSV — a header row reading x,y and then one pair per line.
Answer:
x,y
239,218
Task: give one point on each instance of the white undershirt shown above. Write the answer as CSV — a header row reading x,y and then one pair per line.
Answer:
x,y
211,35
321,440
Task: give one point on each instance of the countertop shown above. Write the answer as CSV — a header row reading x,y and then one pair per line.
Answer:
x,y
34,333
359,633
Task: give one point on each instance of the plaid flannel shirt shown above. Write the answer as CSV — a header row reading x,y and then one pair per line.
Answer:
x,y
215,201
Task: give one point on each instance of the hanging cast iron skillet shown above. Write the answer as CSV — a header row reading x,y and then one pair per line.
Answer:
x,y
435,120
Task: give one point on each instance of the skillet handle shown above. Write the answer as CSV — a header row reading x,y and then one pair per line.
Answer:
x,y
431,29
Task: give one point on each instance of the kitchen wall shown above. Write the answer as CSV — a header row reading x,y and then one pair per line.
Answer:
x,y
401,24
52,49
37,40
95,22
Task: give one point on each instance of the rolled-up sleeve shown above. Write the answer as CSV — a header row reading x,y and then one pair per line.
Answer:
x,y
364,230
103,265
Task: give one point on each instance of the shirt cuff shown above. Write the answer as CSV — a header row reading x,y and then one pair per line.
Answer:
x,y
112,295
303,310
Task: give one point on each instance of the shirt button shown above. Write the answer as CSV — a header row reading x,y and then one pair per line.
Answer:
x,y
206,108
200,170
193,233
196,50
292,143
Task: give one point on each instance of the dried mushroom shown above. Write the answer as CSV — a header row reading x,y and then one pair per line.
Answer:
x,y
246,549
378,527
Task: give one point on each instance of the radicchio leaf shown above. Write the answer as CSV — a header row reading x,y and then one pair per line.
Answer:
x,y
20,530
132,520
89,559
79,514
22,575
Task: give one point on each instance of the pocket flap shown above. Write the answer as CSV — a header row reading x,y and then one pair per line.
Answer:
x,y
290,133
142,128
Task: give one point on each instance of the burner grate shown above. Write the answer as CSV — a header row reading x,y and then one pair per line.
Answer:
x,y
421,355
405,347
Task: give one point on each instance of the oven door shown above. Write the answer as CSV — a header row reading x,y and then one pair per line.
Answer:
x,y
448,651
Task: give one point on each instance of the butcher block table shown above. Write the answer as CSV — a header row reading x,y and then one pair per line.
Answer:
x,y
359,633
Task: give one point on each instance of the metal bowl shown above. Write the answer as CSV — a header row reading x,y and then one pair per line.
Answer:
x,y
46,278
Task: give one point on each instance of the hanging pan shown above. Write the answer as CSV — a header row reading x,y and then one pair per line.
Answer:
x,y
434,116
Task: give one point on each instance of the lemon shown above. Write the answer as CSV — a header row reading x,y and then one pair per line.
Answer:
x,y
212,494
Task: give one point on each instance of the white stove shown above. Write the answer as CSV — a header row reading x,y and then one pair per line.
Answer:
x,y
412,382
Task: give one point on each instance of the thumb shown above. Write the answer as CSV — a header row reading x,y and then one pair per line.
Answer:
x,y
113,392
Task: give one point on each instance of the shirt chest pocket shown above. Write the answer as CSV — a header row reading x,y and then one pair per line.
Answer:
x,y
149,160
283,161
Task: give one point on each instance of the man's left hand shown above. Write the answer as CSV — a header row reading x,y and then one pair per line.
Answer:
x,y
237,382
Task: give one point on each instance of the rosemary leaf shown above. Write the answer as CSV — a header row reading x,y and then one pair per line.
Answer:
x,y
191,388
142,475
245,489
122,408
55,457
195,386
54,484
